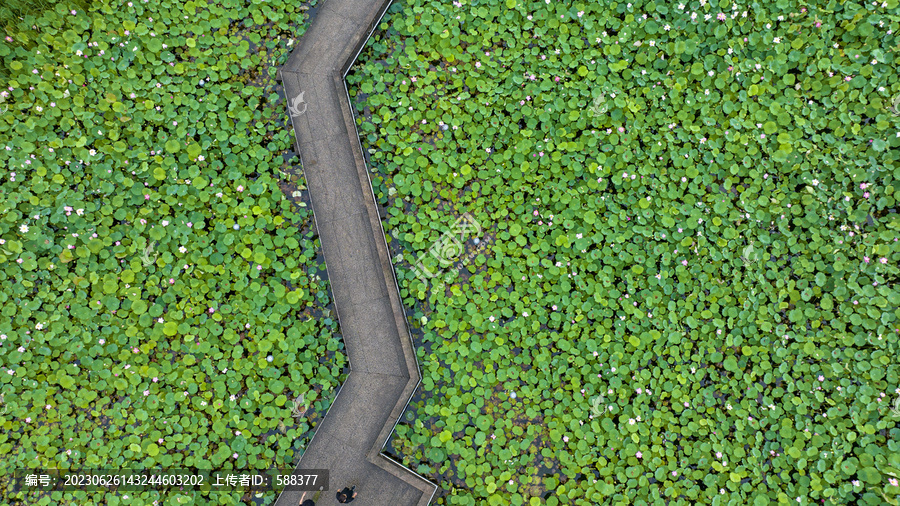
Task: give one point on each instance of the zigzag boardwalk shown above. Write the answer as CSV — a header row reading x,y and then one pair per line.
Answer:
x,y
384,372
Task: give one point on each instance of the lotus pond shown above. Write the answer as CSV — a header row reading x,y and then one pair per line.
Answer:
x,y
683,289
163,303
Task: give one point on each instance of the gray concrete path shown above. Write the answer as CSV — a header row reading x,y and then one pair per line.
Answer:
x,y
383,369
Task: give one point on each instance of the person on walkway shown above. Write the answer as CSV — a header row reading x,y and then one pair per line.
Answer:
x,y
346,495
308,502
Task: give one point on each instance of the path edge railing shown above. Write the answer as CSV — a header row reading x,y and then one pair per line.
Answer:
x,y
376,455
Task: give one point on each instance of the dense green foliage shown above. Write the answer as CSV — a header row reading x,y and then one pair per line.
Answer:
x,y
18,26
685,286
17,18
161,301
